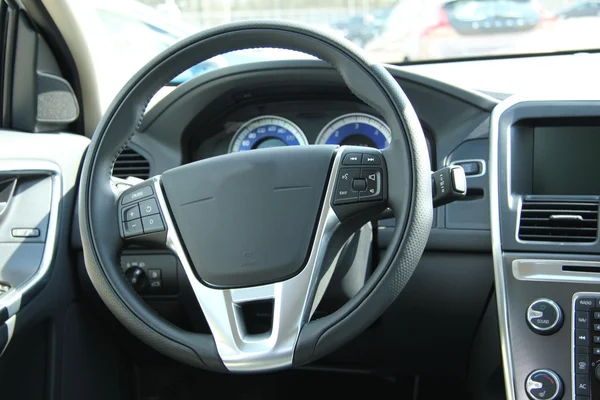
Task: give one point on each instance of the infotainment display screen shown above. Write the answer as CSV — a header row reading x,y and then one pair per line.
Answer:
x,y
566,160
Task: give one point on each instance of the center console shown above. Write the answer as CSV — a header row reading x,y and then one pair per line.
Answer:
x,y
545,193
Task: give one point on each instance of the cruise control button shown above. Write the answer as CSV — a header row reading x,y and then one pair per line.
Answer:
x,y
148,207
344,193
584,303
373,190
133,228
153,223
137,194
371,159
131,213
352,159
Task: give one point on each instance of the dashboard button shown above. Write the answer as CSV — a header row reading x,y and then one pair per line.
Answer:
x,y
352,159
133,228
148,207
344,193
596,339
596,315
582,364
137,194
582,319
596,351
152,223
582,337
370,159
597,327
582,350
373,190
582,384
131,213
584,303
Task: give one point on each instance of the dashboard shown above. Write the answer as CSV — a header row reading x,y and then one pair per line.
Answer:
x,y
269,122
251,106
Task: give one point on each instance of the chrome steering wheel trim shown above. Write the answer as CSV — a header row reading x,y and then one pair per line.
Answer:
x,y
292,298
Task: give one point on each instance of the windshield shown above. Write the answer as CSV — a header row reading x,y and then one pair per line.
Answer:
x,y
125,34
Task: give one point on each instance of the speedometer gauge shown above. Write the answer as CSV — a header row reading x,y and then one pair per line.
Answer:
x,y
266,131
356,129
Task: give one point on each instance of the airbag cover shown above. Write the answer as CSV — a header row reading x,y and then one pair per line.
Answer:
x,y
249,218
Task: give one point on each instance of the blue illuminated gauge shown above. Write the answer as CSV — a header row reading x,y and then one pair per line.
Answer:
x,y
356,129
266,131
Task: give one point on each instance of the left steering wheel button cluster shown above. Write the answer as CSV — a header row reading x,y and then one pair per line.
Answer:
x,y
141,217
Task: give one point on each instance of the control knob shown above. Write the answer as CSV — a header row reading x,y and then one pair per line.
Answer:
x,y
544,317
543,384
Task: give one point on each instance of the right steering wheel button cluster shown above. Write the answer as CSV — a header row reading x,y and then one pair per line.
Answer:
x,y
141,217
355,184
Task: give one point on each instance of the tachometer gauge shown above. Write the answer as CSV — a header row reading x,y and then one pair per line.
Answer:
x,y
267,131
356,129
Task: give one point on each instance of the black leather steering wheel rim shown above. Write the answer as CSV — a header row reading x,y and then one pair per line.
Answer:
x,y
408,168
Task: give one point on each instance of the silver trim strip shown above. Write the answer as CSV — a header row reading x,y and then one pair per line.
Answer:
x,y
507,362
12,299
10,324
493,168
479,161
293,298
575,297
552,271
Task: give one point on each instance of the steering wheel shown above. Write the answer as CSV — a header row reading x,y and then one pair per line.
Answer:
x,y
258,226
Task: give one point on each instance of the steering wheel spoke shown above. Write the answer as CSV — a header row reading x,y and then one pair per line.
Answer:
x,y
289,302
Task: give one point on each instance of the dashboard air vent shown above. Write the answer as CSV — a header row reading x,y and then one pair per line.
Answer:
x,y
559,221
130,163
